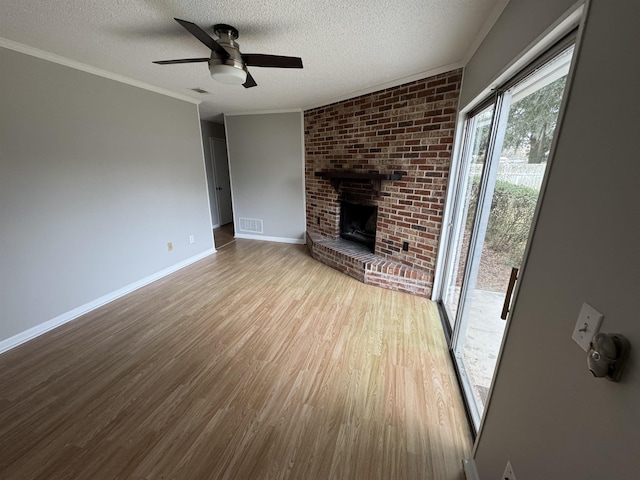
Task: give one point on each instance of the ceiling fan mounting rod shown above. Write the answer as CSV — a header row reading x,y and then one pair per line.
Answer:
x,y
222,29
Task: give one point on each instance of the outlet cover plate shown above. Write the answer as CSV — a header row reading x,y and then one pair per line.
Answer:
x,y
588,324
508,472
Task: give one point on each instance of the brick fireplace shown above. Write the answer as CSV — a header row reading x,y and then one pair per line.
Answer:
x,y
391,151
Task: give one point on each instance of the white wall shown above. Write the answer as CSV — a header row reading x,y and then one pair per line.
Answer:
x,y
519,26
267,173
548,415
95,178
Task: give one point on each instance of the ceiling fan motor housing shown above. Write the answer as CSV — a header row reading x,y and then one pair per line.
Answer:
x,y
219,66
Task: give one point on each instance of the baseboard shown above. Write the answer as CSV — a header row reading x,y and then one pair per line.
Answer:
x,y
470,469
33,332
297,241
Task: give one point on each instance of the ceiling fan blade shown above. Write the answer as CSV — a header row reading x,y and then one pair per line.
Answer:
x,y
278,61
250,82
182,60
204,37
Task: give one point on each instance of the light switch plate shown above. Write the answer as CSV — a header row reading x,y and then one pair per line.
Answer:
x,y
587,326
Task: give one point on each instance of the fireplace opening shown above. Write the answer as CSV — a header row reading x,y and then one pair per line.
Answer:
x,y
358,223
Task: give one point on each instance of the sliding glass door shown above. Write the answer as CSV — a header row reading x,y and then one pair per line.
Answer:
x,y
477,132
506,148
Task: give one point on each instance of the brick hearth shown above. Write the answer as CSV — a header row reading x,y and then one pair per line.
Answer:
x,y
406,129
358,262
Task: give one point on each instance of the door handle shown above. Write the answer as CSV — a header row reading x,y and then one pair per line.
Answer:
x,y
507,298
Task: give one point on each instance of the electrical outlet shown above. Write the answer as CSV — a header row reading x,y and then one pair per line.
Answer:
x,y
170,246
192,239
508,472
405,246
587,326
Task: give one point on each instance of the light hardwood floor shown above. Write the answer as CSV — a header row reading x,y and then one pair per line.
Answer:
x,y
224,235
256,362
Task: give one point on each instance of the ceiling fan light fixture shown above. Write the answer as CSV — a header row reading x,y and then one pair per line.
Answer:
x,y
228,74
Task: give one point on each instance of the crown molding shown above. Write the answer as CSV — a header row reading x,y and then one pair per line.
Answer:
x,y
382,86
51,57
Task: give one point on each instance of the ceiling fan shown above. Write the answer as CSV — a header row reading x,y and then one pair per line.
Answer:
x,y
227,64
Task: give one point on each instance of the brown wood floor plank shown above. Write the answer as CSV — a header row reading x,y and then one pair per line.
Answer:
x,y
257,362
223,235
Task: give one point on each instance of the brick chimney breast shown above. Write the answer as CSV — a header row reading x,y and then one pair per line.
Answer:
x,y
408,128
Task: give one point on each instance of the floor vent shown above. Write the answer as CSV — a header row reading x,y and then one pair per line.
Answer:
x,y
250,225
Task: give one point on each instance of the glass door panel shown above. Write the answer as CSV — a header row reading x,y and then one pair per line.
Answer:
x,y
474,160
504,204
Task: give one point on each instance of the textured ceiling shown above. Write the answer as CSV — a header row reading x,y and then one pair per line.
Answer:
x,y
347,47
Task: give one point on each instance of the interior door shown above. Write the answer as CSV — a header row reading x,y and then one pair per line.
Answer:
x,y
222,180
507,144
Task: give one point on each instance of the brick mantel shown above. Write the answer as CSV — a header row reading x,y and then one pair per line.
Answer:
x,y
406,129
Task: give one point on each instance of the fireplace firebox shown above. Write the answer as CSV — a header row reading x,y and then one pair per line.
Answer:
x,y
358,223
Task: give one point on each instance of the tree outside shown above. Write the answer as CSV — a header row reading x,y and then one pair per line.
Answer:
x,y
529,132
532,121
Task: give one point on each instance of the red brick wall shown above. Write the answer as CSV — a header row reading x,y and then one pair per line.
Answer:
x,y
408,128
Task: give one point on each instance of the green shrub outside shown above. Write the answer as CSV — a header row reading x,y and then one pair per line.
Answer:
x,y
512,210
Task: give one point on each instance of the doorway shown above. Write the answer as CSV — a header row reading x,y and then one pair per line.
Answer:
x,y
224,231
504,159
